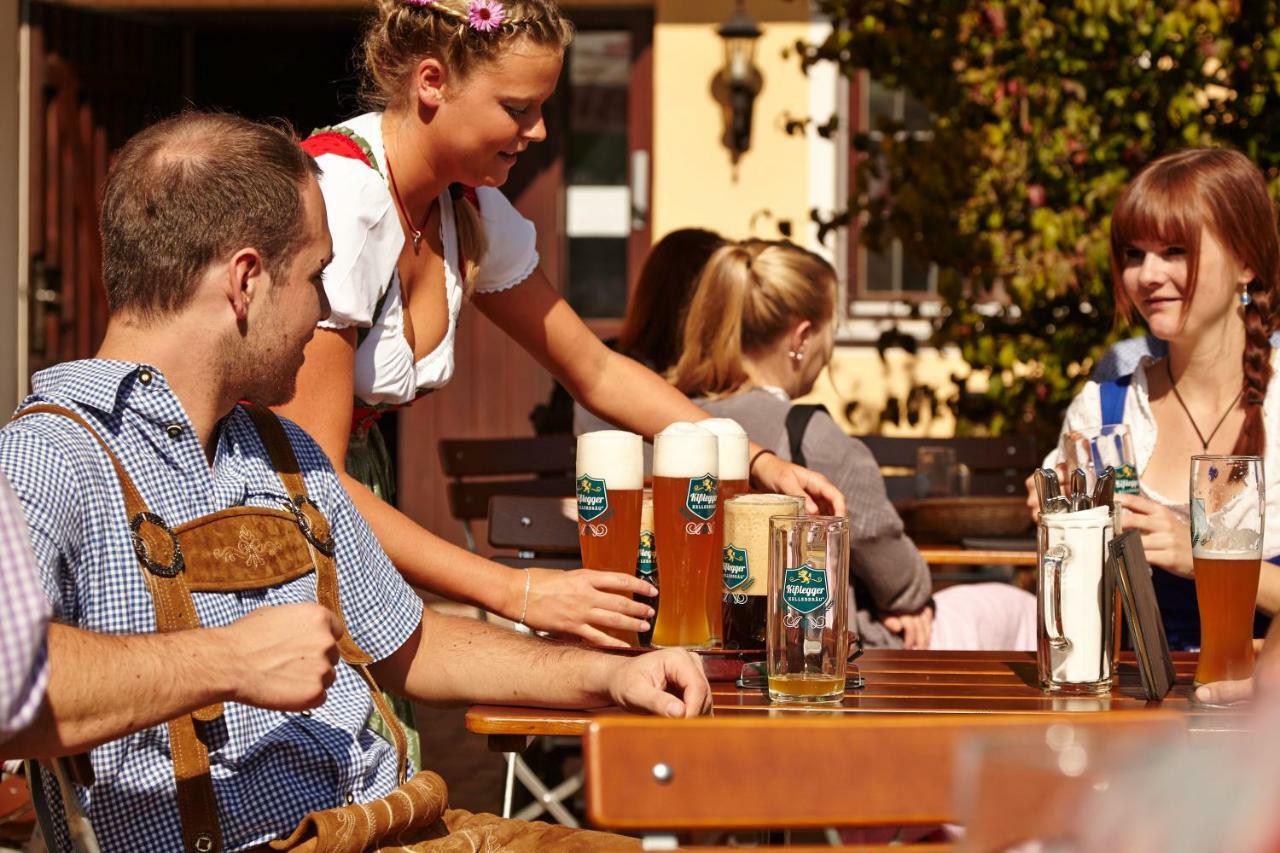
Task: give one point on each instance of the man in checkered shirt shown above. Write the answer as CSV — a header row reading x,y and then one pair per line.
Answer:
x,y
24,619
214,242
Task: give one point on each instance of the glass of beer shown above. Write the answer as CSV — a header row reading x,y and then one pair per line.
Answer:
x,y
647,560
745,565
735,456
1228,508
610,485
807,641
686,465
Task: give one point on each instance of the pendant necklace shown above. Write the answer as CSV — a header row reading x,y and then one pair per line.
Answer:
x,y
1204,442
414,233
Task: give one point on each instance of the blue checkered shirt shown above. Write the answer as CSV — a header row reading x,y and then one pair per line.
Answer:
x,y
269,768
24,621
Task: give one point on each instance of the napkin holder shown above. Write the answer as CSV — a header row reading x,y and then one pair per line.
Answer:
x,y
1133,573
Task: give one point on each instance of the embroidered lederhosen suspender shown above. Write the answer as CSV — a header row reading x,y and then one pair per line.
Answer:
x,y
233,550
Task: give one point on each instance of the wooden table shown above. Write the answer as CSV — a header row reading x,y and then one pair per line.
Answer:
x,y
901,682
957,555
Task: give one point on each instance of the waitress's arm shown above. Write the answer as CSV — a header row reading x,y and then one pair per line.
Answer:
x,y
577,602
619,389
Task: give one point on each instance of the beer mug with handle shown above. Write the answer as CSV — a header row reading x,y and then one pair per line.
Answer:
x,y
610,487
1076,602
807,644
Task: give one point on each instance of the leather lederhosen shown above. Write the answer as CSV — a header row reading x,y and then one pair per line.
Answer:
x,y
238,549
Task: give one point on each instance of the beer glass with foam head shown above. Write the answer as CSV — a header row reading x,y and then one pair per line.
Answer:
x,y
745,565
686,465
610,486
735,456
807,644
1228,510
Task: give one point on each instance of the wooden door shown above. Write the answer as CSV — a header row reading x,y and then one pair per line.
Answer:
x,y
95,80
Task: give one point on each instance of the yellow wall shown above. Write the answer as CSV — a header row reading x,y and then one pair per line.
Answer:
x,y
694,181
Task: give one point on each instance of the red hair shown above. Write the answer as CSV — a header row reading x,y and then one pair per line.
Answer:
x,y
1169,202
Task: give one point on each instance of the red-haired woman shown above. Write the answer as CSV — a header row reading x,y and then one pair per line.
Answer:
x,y
1194,250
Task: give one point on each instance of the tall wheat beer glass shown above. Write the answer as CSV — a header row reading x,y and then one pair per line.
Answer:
x,y
807,645
1228,509
686,465
735,456
610,485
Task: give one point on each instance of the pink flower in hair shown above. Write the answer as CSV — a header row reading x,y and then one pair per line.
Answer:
x,y
486,15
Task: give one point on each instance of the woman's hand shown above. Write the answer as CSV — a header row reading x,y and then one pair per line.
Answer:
x,y
916,629
1165,537
777,475
581,603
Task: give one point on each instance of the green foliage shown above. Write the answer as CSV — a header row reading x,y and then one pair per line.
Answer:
x,y
1042,111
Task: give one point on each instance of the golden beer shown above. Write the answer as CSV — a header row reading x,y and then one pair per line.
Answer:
x,y
610,481
734,452
1226,594
799,688
685,490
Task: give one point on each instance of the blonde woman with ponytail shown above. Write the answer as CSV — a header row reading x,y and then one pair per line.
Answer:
x,y
759,331
419,227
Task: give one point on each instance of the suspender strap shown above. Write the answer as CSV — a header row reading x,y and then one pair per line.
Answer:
x,y
156,547
315,527
1111,395
797,422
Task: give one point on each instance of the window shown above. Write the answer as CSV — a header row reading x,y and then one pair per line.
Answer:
x,y
891,274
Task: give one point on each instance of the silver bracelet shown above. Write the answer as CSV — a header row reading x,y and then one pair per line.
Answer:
x,y
524,611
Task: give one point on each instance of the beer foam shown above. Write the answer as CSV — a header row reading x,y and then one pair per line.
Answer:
x,y
685,450
614,456
1206,554
754,498
734,444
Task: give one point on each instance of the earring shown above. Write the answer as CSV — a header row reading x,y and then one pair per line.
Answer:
x,y
1245,298
797,357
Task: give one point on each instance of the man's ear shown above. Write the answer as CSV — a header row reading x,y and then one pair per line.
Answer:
x,y
429,80
246,281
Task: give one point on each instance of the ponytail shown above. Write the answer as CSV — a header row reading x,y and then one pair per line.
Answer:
x,y
711,362
748,296
472,241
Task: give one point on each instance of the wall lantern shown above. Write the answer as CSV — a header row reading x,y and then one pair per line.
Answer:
x,y
738,83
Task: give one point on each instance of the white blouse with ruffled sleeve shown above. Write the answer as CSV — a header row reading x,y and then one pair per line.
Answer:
x,y
362,283
1085,415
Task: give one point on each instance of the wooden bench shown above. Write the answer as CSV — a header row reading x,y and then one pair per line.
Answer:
x,y
543,531
801,770
480,468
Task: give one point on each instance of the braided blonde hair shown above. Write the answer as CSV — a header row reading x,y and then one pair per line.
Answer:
x,y
401,34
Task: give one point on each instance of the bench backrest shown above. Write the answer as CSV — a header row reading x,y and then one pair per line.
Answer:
x,y
748,772
997,466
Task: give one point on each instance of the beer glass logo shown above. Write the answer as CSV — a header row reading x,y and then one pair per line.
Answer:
x,y
701,498
593,498
804,591
1126,480
646,563
737,577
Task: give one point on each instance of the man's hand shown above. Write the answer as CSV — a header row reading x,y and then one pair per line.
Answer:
x,y
916,629
282,658
669,683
